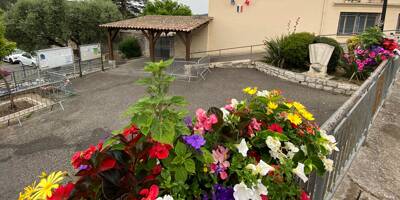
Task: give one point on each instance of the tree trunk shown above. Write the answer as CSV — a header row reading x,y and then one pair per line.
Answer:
x,y
11,96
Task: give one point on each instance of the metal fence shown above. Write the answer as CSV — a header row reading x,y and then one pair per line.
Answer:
x,y
350,125
252,52
32,90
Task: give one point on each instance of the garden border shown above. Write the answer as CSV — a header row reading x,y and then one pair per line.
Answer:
x,y
300,78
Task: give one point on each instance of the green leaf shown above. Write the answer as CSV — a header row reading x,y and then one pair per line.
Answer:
x,y
180,149
118,147
163,132
190,166
208,158
181,174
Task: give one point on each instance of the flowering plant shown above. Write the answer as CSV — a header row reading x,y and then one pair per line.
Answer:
x,y
370,49
256,148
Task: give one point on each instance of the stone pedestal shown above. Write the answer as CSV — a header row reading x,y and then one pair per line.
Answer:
x,y
320,55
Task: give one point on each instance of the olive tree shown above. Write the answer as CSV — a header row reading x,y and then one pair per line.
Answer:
x,y
166,7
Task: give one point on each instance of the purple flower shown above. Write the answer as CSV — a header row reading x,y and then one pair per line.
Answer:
x,y
222,193
189,122
196,141
83,167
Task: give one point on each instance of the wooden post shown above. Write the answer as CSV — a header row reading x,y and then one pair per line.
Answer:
x,y
110,45
152,46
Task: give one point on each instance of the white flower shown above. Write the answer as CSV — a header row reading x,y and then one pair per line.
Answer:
x,y
225,114
234,103
299,171
242,147
304,149
330,144
260,189
261,168
328,164
165,197
242,192
273,144
263,93
291,148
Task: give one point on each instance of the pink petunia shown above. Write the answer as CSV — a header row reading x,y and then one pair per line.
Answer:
x,y
253,126
204,123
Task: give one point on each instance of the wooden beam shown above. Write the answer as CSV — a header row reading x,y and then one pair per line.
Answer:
x,y
188,41
110,44
115,34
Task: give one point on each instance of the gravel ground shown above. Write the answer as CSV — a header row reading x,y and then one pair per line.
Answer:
x,y
47,140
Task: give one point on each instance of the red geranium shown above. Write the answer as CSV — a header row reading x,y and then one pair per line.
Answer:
x,y
275,128
160,151
149,194
390,44
62,192
156,170
304,196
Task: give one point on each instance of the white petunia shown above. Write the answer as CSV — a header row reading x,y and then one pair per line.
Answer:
x,y
261,168
261,189
242,192
328,164
234,103
225,114
299,171
291,148
263,93
273,144
165,197
304,149
242,147
330,145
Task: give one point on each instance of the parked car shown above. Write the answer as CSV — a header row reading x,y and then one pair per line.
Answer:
x,y
26,59
14,56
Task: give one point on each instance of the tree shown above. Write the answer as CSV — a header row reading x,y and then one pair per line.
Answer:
x,y
6,47
6,4
130,8
166,7
36,24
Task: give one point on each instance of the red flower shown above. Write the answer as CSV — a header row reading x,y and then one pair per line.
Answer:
x,y
254,154
81,156
107,164
87,154
62,192
149,194
160,151
77,160
264,197
130,130
156,170
304,196
275,128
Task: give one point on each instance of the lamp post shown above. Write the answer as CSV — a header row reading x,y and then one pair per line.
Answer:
x,y
383,15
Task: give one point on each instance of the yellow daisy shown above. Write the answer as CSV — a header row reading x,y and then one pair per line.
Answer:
x,y
47,184
294,118
298,105
307,115
28,191
271,105
250,91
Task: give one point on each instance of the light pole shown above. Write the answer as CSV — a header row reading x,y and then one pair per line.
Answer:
x,y
383,15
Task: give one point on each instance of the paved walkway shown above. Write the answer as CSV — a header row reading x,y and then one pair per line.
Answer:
x,y
375,172
47,140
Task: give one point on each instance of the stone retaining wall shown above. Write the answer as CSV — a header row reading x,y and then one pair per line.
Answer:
x,y
300,78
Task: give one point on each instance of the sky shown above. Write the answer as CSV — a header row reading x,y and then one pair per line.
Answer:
x,y
197,6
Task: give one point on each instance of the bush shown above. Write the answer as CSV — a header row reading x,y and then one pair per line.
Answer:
x,y
295,50
333,62
130,47
371,37
274,49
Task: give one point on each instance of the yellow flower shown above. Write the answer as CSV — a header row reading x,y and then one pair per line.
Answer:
x,y
272,105
307,115
289,105
47,184
298,105
250,91
28,191
294,118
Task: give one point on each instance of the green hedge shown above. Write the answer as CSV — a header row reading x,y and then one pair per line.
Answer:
x,y
130,47
295,50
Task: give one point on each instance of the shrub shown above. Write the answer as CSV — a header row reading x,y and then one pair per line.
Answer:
x,y
333,62
273,49
371,37
295,50
130,47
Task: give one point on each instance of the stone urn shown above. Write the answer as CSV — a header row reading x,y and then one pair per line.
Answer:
x,y
320,55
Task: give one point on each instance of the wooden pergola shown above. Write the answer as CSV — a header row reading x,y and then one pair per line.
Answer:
x,y
152,27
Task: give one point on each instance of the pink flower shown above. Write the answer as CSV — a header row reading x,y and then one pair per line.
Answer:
x,y
253,126
204,123
372,54
220,163
383,57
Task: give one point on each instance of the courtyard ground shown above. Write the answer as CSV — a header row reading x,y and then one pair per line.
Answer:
x,y
375,172
47,140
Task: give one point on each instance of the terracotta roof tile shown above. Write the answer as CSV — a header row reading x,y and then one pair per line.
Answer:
x,y
160,22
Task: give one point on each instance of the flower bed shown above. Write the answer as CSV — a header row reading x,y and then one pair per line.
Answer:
x,y
255,148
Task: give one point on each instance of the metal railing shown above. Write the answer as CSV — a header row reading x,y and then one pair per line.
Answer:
x,y
252,52
350,125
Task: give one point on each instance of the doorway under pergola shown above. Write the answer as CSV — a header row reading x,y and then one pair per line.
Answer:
x,y
153,26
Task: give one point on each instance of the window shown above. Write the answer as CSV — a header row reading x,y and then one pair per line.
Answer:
x,y
351,23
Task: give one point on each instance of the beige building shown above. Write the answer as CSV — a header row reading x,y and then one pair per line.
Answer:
x,y
238,24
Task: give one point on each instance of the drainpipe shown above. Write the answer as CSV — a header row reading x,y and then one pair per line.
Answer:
x,y
383,15
322,17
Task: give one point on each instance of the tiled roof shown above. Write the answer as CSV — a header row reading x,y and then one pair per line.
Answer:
x,y
160,23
